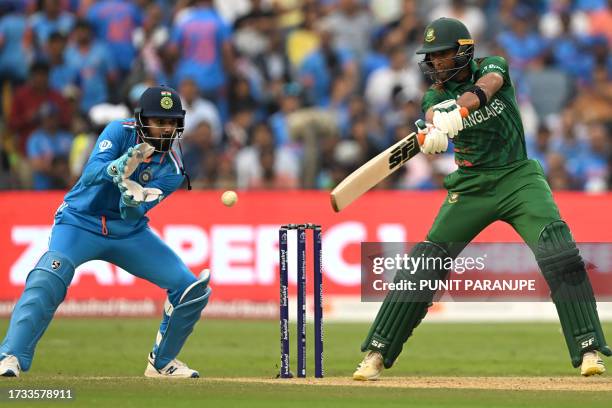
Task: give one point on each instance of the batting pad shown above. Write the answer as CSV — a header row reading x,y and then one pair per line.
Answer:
x,y
571,291
402,311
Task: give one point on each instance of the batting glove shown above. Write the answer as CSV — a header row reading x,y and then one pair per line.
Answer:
x,y
433,139
447,117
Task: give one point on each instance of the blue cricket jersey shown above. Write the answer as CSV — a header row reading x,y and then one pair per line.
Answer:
x,y
94,203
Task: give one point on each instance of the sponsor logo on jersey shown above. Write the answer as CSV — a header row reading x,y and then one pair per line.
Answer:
x,y
490,67
453,198
55,264
105,145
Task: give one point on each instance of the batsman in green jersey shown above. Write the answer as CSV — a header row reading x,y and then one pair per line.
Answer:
x,y
495,181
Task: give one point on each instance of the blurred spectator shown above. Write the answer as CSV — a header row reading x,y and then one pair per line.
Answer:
x,y
28,100
467,12
94,63
15,46
262,165
225,175
279,99
167,73
408,29
558,176
51,19
398,77
198,153
596,158
252,30
201,41
312,131
114,22
82,145
600,22
270,178
232,10
571,147
273,70
551,23
237,130
352,26
523,45
538,147
303,40
595,102
48,150
570,52
404,110
323,65
62,77
359,133
149,39
290,102
339,100
240,95
199,110
376,57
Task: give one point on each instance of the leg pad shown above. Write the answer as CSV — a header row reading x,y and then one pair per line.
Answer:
x,y
179,321
44,290
571,291
402,311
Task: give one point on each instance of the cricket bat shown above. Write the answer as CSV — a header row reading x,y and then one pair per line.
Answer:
x,y
378,168
374,171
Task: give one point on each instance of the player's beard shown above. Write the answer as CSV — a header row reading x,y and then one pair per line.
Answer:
x,y
163,143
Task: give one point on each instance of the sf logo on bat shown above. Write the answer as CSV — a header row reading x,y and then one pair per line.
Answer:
x,y
404,152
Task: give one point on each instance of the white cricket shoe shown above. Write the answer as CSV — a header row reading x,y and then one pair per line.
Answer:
x,y
370,368
174,369
591,364
9,366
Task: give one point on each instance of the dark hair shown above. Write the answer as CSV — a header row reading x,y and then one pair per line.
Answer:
x,y
56,36
39,67
81,23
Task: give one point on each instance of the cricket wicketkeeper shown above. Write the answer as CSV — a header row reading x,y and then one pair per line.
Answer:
x,y
495,181
131,169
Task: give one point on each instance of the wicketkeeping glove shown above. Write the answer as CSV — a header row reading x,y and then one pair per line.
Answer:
x,y
123,167
431,139
447,117
133,194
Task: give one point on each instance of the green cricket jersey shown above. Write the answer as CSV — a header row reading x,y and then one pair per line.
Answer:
x,y
492,136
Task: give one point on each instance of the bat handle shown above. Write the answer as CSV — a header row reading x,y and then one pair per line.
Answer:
x,y
464,112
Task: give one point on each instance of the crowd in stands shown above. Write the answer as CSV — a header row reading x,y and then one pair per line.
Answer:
x,y
287,94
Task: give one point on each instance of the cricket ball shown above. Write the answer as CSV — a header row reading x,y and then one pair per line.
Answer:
x,y
229,198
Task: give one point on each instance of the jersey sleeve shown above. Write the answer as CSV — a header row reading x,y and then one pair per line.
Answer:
x,y
167,184
494,64
431,98
109,146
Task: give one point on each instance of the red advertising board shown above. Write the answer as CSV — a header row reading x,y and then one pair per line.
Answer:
x,y
239,244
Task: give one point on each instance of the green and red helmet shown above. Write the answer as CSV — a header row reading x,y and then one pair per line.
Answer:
x,y
446,34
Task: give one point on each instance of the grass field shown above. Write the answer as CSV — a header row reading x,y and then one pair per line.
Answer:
x,y
103,362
